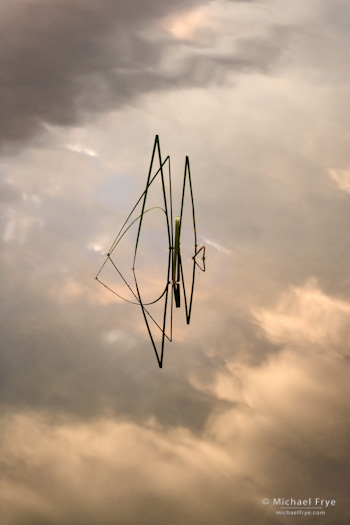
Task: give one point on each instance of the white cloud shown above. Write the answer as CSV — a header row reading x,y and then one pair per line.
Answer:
x,y
96,247
217,246
305,316
341,178
117,336
80,148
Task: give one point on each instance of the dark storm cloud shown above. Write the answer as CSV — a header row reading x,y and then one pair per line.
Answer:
x,y
59,59
48,48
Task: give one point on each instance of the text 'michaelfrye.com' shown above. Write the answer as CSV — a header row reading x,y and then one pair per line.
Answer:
x,y
305,507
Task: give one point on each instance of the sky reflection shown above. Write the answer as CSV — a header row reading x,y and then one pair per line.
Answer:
x,y
253,399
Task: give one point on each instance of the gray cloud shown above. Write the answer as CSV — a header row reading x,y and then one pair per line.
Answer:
x,y
251,402
55,51
63,59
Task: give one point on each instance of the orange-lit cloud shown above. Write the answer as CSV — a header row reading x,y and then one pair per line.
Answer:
x,y
105,469
185,25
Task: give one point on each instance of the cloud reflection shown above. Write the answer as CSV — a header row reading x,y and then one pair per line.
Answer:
x,y
253,401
